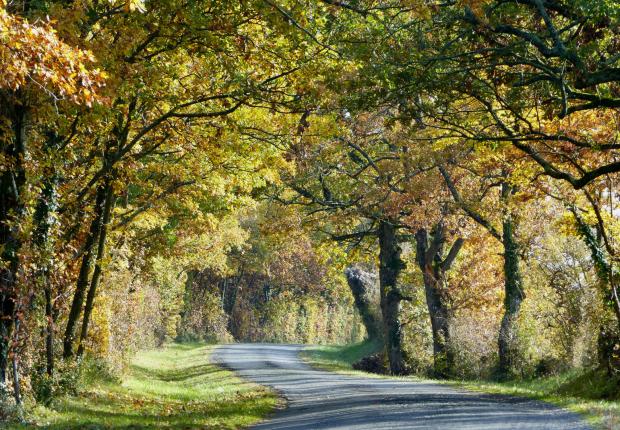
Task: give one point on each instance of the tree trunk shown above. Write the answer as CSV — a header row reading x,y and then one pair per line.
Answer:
x,y
82,282
12,180
46,206
443,356
390,266
229,287
49,332
514,295
94,284
362,285
434,268
16,381
513,287
608,340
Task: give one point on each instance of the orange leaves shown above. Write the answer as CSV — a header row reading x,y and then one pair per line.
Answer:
x,y
34,56
476,6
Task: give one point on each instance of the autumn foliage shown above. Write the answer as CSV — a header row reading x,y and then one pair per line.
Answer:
x,y
209,171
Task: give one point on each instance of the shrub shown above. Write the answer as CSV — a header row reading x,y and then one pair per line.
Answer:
x,y
67,379
9,411
375,363
550,366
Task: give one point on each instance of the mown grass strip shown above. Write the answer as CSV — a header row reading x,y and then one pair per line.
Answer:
x,y
176,387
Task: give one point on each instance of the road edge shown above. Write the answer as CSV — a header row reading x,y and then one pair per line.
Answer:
x,y
282,402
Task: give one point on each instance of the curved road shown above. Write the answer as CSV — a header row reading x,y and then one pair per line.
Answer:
x,y
325,400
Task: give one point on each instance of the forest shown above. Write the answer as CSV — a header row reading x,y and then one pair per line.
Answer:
x,y
431,179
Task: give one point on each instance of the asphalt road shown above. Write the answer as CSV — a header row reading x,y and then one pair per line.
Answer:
x,y
324,400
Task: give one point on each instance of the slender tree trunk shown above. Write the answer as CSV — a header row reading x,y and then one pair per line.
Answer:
x,y
83,277
608,340
390,266
49,332
46,206
230,287
16,381
12,180
513,289
94,284
362,284
434,268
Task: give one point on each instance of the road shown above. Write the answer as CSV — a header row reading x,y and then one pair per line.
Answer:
x,y
325,400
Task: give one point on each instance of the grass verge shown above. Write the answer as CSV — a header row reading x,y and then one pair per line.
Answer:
x,y
176,387
340,358
577,391
586,393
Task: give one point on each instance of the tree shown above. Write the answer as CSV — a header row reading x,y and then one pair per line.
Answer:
x,y
367,174
513,284
362,283
434,265
40,70
143,121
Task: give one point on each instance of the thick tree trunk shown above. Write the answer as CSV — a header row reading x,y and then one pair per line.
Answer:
x,y
83,277
513,286
434,268
94,283
514,295
443,356
362,285
390,266
12,180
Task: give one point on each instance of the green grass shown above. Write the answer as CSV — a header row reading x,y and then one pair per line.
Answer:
x,y
173,388
339,358
584,392
592,394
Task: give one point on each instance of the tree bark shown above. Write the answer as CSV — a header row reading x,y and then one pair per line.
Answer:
x,y
16,381
434,268
513,285
46,205
513,289
94,284
608,340
390,266
83,277
12,180
362,285
49,332
229,287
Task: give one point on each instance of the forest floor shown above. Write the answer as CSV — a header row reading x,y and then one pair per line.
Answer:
x,y
583,392
176,387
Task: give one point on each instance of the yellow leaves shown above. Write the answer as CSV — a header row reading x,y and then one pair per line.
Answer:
x,y
210,249
150,220
135,6
34,55
132,5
